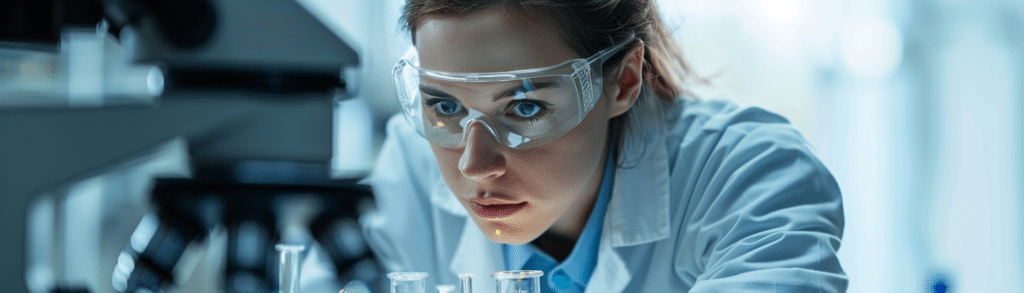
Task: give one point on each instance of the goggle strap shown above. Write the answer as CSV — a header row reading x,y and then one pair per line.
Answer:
x,y
607,53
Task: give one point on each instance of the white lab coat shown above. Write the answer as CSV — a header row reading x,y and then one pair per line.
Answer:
x,y
712,198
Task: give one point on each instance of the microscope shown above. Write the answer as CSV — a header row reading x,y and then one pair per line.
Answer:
x,y
247,90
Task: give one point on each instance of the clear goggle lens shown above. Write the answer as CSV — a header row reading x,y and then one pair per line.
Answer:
x,y
520,109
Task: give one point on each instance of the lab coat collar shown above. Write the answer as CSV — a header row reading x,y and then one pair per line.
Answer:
x,y
638,212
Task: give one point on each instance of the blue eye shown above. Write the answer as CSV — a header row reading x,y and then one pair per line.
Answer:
x,y
527,109
448,107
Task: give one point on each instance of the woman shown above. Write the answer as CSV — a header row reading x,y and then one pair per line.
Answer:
x,y
556,136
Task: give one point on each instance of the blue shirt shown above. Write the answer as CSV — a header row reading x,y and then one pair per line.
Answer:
x,y
573,274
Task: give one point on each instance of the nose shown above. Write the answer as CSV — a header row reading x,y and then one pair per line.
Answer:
x,y
481,157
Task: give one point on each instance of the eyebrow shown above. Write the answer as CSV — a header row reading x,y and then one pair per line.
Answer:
x,y
435,92
510,92
533,87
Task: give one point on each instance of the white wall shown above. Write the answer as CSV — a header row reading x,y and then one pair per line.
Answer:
x,y
914,105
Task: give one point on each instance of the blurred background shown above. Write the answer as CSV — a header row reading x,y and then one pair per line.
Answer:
x,y
914,105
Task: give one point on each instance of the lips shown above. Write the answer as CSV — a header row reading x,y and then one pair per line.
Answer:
x,y
493,199
492,211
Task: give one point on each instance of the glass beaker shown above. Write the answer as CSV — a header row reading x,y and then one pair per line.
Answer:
x,y
408,282
291,260
518,281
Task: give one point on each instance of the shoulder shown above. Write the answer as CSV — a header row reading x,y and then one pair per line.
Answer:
x,y
405,148
710,121
746,185
730,163
705,142
398,130
718,147
405,167
714,133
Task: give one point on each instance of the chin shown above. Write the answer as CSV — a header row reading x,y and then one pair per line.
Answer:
x,y
504,233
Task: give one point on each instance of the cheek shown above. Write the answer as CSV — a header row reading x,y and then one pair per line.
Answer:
x,y
567,166
560,165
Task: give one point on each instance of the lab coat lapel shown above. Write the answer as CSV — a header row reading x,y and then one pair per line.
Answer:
x,y
479,256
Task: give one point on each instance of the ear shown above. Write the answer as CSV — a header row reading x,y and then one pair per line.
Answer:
x,y
628,81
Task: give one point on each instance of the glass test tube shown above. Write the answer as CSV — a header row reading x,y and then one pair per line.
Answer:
x,y
518,281
466,282
408,282
291,260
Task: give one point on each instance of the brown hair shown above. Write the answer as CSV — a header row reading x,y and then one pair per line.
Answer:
x,y
589,26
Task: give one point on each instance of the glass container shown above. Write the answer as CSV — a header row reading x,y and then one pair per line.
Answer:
x,y
518,281
291,261
408,282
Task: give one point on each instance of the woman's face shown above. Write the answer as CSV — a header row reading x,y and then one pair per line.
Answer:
x,y
514,195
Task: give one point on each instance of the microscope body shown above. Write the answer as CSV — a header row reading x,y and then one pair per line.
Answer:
x,y
303,208
251,88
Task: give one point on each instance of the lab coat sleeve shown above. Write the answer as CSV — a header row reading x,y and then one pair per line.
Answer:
x,y
400,229
769,216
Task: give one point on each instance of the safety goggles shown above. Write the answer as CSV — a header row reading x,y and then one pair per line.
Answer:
x,y
521,109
